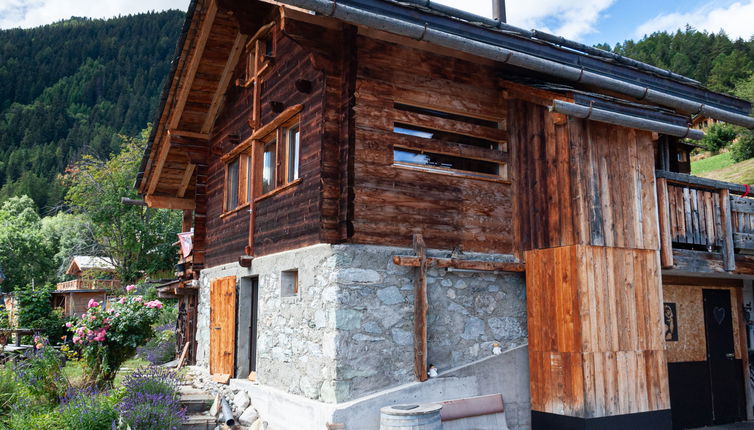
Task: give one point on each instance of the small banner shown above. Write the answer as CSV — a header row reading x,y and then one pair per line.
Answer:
x,y
187,242
671,322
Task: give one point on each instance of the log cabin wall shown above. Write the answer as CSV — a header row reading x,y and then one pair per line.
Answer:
x,y
291,217
392,202
586,211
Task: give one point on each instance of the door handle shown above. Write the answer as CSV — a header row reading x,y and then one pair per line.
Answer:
x,y
730,356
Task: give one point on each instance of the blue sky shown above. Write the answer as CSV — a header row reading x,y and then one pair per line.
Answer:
x,y
588,21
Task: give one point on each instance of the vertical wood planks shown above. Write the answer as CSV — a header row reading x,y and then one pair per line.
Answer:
x,y
222,316
729,258
666,244
595,327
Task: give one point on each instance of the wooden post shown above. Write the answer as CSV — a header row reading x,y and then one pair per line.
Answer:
x,y
421,305
188,220
729,257
666,244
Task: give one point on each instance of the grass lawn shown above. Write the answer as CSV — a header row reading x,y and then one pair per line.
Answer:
x,y
716,162
739,173
75,369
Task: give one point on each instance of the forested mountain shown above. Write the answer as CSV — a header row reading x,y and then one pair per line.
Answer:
x,y
714,60
73,88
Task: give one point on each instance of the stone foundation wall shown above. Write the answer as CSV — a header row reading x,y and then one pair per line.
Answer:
x,y
348,332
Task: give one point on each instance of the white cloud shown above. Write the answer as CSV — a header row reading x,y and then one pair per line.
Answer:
x,y
735,20
567,18
32,13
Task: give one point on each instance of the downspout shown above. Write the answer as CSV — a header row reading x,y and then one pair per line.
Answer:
x,y
358,16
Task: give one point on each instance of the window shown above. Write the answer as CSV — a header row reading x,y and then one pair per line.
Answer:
x,y
231,185
293,148
269,166
449,143
289,283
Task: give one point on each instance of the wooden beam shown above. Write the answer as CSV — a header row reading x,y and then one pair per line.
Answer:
x,y
666,242
183,93
421,306
230,66
190,134
729,257
167,202
186,180
262,132
713,184
455,263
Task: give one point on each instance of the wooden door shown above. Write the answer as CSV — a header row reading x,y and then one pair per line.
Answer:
x,y
222,324
726,373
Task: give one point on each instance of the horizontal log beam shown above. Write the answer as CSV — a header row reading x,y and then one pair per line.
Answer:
x,y
167,202
684,179
491,266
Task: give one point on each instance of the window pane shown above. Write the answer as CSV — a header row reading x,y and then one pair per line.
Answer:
x,y
428,133
268,171
442,162
293,153
232,185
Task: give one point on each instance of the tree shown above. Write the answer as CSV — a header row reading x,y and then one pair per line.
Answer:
x,y
25,257
745,88
718,136
68,235
136,238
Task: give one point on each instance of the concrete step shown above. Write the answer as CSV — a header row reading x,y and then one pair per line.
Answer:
x,y
198,402
199,422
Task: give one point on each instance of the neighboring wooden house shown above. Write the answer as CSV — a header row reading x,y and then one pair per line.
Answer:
x,y
375,186
94,277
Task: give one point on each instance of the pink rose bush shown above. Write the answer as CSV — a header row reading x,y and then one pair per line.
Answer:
x,y
108,336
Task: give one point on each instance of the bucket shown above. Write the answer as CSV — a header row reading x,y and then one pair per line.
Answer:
x,y
411,417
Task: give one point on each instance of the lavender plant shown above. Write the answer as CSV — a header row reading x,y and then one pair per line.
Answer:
x,y
161,348
40,371
151,400
87,408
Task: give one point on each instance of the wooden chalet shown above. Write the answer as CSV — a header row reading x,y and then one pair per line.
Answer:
x,y
377,185
93,277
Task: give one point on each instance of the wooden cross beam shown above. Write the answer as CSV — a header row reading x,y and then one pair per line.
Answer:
x,y
421,306
492,266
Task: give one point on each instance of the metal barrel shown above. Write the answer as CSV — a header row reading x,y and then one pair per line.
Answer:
x,y
411,417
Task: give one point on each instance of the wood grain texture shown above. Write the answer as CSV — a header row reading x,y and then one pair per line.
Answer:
x,y
222,325
595,331
581,182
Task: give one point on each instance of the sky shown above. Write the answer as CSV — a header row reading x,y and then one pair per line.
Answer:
x,y
587,21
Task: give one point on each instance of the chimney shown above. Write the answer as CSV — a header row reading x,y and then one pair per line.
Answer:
x,y
498,10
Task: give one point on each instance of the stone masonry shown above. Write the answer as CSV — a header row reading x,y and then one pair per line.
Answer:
x,y
348,332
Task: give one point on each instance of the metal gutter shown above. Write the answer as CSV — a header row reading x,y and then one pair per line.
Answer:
x,y
358,16
601,115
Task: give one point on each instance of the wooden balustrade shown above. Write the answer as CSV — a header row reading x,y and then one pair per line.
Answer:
x,y
88,284
703,214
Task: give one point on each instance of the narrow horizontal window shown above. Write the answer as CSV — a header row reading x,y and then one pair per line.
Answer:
x,y
428,133
441,162
446,115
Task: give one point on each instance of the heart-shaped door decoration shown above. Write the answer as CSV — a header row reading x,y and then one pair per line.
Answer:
x,y
719,314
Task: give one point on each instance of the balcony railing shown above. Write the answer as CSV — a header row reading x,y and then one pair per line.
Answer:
x,y
703,214
89,284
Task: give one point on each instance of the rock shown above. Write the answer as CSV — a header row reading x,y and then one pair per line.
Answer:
x,y
248,417
473,329
358,276
402,337
257,425
241,401
390,295
347,319
215,409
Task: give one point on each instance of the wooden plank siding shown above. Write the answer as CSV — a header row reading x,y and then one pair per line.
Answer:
x,y
391,202
292,217
581,182
595,331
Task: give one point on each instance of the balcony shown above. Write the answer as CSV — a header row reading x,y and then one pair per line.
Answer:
x,y
705,225
88,284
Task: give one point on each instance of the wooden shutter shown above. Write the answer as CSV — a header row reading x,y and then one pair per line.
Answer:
x,y
222,325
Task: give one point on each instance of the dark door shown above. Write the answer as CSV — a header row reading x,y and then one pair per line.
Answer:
x,y
253,325
726,374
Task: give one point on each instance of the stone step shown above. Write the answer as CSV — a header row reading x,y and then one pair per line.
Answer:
x,y
199,422
200,402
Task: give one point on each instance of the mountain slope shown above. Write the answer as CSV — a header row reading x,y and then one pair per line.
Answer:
x,y
71,88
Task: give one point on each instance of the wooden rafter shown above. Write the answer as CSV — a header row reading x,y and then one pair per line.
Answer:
x,y
183,93
186,180
230,65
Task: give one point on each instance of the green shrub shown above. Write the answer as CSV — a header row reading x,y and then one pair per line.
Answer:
x,y
36,418
718,136
743,148
40,373
10,391
35,311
